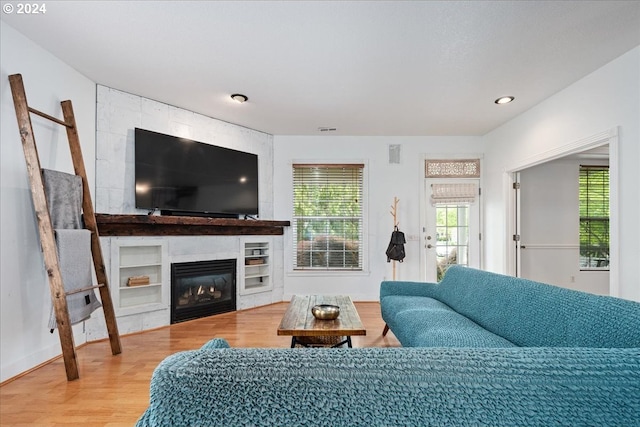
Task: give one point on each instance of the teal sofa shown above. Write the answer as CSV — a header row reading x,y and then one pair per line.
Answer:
x,y
474,308
517,359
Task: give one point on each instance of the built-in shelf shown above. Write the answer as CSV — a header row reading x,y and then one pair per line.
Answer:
x,y
151,225
133,288
138,259
256,272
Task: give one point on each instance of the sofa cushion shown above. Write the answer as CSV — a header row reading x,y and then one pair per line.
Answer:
x,y
427,322
392,305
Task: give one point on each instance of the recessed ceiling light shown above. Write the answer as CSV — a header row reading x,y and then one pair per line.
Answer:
x,y
238,97
504,100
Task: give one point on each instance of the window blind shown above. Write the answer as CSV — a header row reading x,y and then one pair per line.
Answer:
x,y
454,193
594,217
327,216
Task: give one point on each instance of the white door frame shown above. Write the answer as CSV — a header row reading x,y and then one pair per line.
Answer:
x,y
424,182
509,177
516,244
429,229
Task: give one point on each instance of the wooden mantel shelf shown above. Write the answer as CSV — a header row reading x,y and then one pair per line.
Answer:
x,y
150,225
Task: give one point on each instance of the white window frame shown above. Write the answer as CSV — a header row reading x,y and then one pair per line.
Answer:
x,y
365,223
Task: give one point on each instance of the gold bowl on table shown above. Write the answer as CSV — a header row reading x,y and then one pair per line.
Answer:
x,y
325,311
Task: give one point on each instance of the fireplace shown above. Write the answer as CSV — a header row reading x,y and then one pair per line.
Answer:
x,y
202,288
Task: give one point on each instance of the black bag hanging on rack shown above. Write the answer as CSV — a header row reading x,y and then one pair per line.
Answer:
x,y
395,250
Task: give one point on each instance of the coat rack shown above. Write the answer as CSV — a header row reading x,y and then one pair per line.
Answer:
x,y
394,214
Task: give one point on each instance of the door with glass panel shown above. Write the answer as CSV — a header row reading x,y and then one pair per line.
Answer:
x,y
452,231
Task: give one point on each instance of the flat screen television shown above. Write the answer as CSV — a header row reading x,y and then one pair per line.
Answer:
x,y
179,176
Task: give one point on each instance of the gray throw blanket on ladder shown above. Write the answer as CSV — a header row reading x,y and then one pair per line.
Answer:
x,y
64,198
74,259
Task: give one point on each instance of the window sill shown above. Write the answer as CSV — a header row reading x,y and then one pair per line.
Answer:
x,y
327,273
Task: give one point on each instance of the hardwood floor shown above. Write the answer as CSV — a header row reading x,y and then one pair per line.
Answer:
x,y
114,390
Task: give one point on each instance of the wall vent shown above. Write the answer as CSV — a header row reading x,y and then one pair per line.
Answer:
x,y
394,154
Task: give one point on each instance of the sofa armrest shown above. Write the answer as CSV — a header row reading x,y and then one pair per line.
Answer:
x,y
420,289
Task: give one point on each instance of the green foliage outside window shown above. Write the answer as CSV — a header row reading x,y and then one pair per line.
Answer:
x,y
328,217
594,217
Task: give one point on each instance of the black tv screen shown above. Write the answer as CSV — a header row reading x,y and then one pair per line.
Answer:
x,y
183,177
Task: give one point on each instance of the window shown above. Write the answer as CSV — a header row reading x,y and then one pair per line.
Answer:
x,y
594,217
452,236
327,216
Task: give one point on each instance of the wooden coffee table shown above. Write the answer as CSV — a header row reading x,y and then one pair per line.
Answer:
x,y
306,330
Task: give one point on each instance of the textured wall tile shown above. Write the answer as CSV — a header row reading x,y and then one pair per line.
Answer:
x,y
125,101
178,115
122,121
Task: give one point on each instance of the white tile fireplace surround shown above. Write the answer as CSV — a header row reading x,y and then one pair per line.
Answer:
x,y
140,308
146,307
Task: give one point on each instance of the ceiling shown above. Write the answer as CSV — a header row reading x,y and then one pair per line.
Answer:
x,y
371,68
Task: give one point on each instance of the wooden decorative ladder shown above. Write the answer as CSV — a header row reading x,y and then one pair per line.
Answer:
x,y
45,227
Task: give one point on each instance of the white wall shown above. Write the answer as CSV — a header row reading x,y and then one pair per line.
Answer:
x,y
25,298
606,99
550,227
383,182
